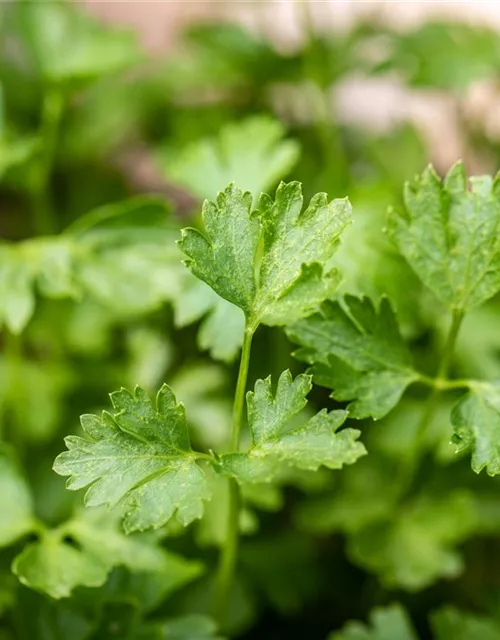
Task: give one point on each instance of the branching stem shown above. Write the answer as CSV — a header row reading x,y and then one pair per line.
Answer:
x,y
440,382
227,559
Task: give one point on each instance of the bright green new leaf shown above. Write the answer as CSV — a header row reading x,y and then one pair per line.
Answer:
x,y
313,444
476,420
250,152
414,547
451,624
139,458
357,351
51,619
82,552
389,623
295,273
450,235
16,505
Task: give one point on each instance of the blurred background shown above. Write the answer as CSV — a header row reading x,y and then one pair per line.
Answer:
x,y
117,119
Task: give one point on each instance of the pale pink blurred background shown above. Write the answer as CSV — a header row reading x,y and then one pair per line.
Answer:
x,y
374,103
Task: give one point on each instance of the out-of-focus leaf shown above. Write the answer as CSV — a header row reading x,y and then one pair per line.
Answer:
x,y
389,623
250,153
202,388
16,504
64,44
211,530
50,619
32,394
444,55
82,552
366,495
285,567
189,627
451,624
416,546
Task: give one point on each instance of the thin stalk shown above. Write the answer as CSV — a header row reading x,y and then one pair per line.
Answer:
x,y
43,211
227,559
441,374
438,384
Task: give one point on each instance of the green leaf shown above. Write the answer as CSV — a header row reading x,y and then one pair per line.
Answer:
x,y
444,55
50,619
139,458
56,568
357,351
415,546
451,624
250,152
309,446
221,330
16,504
450,235
366,495
389,623
17,298
202,388
189,627
295,273
476,421
65,44
32,393
82,552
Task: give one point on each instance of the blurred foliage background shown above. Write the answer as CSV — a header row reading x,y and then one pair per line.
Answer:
x,y
105,151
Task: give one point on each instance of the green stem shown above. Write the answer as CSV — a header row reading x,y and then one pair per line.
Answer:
x,y
440,382
449,347
227,559
43,211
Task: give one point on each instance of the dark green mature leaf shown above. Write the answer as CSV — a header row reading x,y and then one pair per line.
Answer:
x,y
450,235
16,504
50,619
451,624
358,352
295,273
476,420
139,458
414,547
309,446
250,152
82,552
389,623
